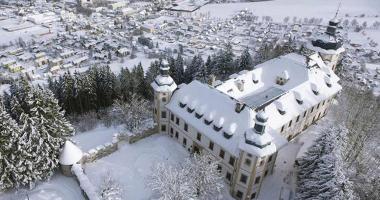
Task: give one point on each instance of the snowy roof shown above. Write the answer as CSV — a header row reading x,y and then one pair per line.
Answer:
x,y
218,104
163,84
70,154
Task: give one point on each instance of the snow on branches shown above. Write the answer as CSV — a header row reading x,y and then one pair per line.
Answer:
x,y
197,178
322,172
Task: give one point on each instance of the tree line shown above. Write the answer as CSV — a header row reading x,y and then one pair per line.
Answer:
x,y
98,88
32,131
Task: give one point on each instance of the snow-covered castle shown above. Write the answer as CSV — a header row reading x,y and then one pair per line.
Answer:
x,y
245,120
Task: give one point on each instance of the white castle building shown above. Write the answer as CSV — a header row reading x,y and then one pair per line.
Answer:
x,y
247,119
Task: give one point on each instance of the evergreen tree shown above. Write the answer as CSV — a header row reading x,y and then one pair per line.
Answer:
x,y
196,70
126,88
140,86
9,134
68,93
245,61
322,172
178,72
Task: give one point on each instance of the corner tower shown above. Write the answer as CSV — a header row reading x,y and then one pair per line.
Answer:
x,y
163,87
328,45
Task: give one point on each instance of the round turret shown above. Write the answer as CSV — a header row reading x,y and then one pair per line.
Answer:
x,y
70,154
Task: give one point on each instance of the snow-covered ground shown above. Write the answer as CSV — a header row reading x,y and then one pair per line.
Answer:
x,y
58,188
98,136
131,164
278,9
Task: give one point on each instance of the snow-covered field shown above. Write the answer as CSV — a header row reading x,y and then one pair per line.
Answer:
x,y
58,188
131,164
278,9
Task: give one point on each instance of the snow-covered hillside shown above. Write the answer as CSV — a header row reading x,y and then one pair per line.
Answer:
x,y
278,9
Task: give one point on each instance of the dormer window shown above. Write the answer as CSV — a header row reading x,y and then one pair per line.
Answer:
x,y
216,128
254,78
207,122
190,110
182,105
328,81
197,115
280,108
298,97
282,78
227,135
315,88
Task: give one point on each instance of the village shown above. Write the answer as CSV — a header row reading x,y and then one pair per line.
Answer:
x,y
50,41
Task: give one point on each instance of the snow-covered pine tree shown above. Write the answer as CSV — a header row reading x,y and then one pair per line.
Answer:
x,y
33,162
195,69
322,172
178,74
245,61
9,134
125,80
68,93
141,87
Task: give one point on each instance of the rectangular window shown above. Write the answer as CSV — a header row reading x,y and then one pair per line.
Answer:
x,y
219,168
266,173
221,153
171,131
243,178
177,121
172,117
290,123
257,180
304,114
239,194
184,141
199,137
253,195
312,109
211,145
247,162
176,134
231,161
228,176
318,106
163,114
163,128
298,118
185,127
270,158
282,128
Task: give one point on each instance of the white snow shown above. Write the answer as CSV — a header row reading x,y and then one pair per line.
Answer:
x,y
70,154
279,9
132,163
98,136
85,183
59,187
